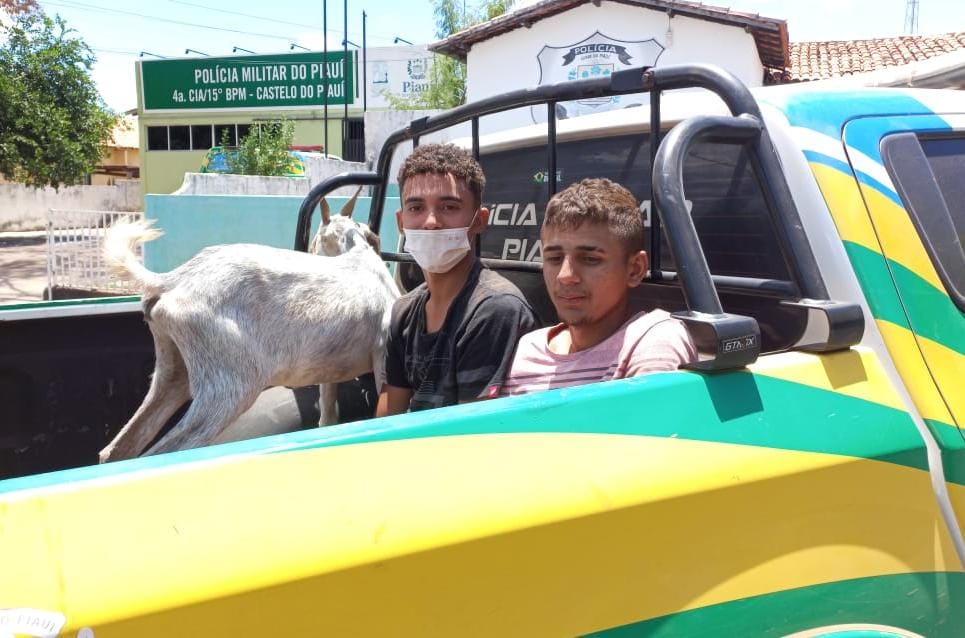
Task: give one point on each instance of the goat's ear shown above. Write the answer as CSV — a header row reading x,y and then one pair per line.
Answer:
x,y
326,212
372,238
350,204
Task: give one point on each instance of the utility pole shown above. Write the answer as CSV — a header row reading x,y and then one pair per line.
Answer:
x,y
344,73
325,68
365,86
911,17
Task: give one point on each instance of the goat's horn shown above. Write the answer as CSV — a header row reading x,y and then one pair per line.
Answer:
x,y
350,204
326,211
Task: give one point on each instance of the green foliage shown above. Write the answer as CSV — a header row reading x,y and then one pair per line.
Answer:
x,y
264,151
495,8
447,76
445,89
53,123
450,18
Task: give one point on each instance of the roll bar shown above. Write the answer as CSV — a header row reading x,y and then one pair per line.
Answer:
x,y
724,340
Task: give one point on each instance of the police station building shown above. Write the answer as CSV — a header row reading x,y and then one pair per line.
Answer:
x,y
558,40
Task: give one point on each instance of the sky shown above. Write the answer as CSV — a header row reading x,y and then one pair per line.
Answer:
x,y
120,30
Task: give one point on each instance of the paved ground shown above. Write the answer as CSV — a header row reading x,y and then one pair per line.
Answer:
x,y
23,267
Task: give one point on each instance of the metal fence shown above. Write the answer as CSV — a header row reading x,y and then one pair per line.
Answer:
x,y
75,259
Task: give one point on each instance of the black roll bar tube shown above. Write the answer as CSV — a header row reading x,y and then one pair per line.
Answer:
x,y
323,188
475,138
740,100
620,83
668,192
551,185
477,246
724,84
723,340
655,257
513,265
844,322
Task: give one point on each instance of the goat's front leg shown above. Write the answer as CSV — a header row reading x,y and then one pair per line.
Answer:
x,y
328,402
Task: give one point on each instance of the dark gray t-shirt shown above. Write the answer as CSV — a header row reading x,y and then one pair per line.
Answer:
x,y
468,357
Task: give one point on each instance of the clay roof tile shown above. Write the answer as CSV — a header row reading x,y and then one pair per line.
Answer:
x,y
824,60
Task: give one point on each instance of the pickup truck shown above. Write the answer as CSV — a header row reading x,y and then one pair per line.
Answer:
x,y
805,477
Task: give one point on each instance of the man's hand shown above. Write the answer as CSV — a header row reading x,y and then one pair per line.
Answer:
x,y
393,400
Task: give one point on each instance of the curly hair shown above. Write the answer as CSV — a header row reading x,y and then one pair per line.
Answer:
x,y
598,201
444,159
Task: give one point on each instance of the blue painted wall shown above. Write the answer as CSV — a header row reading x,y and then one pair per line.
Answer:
x,y
192,222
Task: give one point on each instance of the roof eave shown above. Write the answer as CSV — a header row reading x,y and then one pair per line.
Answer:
x,y
459,44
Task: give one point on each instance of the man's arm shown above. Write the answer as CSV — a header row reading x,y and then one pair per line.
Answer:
x,y
393,400
396,391
486,350
665,347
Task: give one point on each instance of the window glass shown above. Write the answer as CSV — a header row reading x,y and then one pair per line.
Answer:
x,y
157,138
201,137
180,138
731,214
728,206
929,175
243,130
947,159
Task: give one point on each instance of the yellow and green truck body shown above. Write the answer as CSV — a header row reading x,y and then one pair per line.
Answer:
x,y
811,492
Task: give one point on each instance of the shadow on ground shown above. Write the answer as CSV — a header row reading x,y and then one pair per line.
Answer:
x,y
23,269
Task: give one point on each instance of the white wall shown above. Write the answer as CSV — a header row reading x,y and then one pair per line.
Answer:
x,y
25,208
317,169
510,61
380,124
402,71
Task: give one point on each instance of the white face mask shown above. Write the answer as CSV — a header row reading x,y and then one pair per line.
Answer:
x,y
437,251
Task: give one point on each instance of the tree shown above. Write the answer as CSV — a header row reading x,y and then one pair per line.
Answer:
x,y
264,150
495,8
53,123
447,76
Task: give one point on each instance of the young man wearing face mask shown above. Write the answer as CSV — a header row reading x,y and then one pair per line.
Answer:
x,y
592,239
451,340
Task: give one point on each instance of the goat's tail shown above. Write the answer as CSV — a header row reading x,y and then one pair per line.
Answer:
x,y
119,244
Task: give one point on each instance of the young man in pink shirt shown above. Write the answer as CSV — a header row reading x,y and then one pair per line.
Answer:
x,y
592,239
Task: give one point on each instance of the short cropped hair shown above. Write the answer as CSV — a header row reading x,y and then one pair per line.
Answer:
x,y
444,159
598,201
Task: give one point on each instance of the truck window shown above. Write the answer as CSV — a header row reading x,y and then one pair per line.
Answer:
x,y
929,175
728,205
946,156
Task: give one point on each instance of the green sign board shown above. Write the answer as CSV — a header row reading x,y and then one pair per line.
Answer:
x,y
250,81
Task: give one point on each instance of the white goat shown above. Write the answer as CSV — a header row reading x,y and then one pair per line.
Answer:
x,y
236,319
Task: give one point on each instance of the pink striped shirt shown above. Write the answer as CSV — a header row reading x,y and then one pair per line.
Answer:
x,y
648,342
